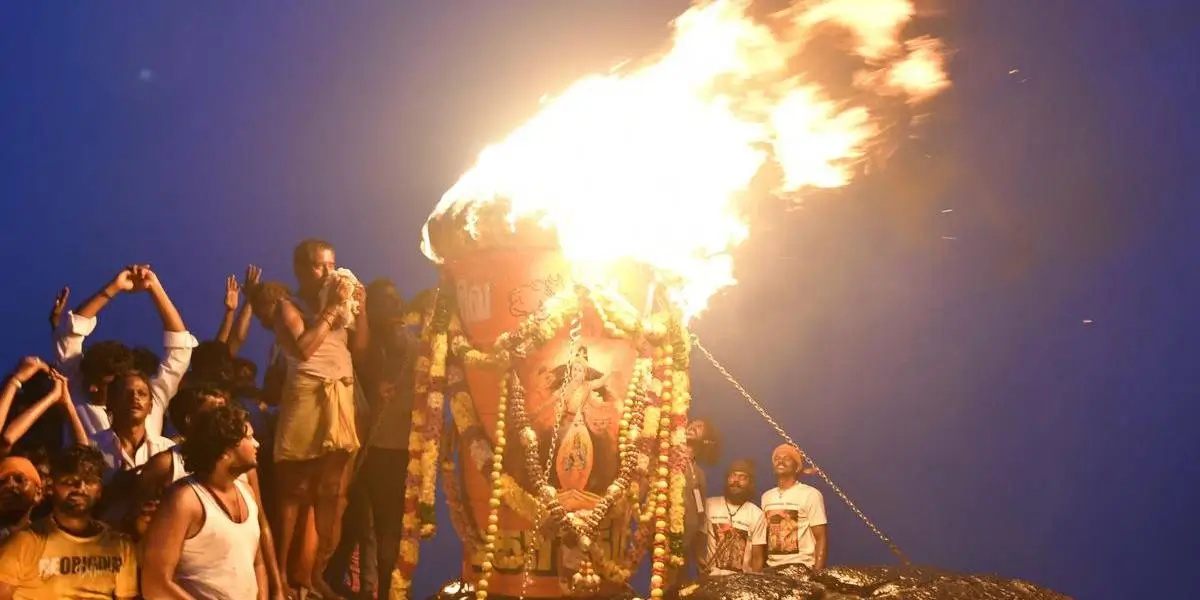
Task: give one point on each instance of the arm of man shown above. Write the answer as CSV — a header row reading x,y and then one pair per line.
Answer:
x,y
60,303
241,330
78,432
178,344
758,545
155,477
818,524
266,542
241,327
19,426
73,331
820,535
25,371
232,295
260,574
296,339
179,516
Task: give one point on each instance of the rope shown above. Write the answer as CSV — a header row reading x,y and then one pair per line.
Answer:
x,y
783,434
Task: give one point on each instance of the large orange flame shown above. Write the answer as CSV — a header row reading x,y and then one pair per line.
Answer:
x,y
648,165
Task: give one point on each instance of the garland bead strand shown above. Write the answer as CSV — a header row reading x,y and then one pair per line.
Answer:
x,y
493,520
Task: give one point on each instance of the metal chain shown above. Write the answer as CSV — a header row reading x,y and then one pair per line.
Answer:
x,y
783,434
559,408
568,376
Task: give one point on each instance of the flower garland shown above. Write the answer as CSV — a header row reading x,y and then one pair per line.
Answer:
x,y
453,443
669,488
532,333
343,277
619,319
419,519
460,517
435,400
479,448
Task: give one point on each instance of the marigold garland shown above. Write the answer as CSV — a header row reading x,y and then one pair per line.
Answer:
x,y
419,519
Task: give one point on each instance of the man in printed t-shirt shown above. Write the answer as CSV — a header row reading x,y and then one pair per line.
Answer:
x,y
795,515
737,531
69,554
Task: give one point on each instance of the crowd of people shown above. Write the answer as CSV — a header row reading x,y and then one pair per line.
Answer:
x,y
728,533
126,474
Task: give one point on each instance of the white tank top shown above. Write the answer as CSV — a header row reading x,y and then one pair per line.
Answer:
x,y
218,563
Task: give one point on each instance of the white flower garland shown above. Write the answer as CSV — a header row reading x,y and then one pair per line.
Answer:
x,y
350,308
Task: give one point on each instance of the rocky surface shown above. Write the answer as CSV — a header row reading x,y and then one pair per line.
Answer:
x,y
875,583
842,583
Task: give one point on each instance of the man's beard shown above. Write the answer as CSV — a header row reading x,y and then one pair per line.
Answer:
x,y
740,496
10,516
80,509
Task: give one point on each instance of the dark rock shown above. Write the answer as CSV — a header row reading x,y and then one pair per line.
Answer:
x,y
796,582
861,583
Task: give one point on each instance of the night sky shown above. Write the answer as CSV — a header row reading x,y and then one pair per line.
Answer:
x,y
1003,388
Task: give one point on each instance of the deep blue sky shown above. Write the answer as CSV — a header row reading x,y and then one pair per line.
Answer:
x,y
949,385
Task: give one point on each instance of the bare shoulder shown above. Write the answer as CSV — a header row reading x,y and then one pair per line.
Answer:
x,y
181,499
287,308
163,461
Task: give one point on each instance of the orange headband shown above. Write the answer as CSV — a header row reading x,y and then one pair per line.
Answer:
x,y
18,464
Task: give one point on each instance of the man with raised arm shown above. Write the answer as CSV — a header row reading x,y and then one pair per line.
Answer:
x,y
795,514
90,375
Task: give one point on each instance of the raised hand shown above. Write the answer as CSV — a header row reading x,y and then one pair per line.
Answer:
x,y
28,367
231,293
61,380
253,275
60,303
126,280
343,292
144,279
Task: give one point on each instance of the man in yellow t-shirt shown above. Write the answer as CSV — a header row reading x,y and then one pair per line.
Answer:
x,y
69,554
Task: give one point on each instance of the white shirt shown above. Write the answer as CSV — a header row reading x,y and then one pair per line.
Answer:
x,y
117,460
218,563
68,346
790,516
732,532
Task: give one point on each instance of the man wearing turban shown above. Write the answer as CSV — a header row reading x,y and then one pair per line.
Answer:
x,y
795,514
